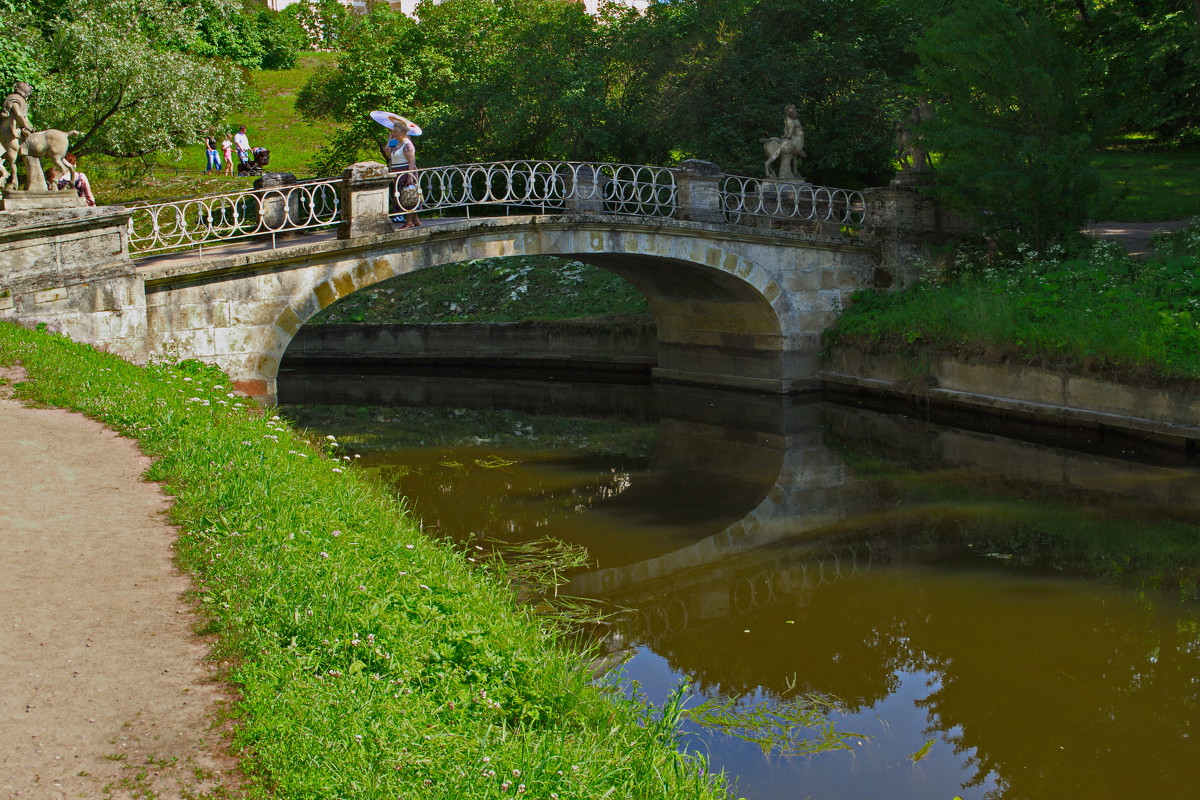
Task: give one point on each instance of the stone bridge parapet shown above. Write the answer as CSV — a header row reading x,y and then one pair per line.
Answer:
x,y
742,281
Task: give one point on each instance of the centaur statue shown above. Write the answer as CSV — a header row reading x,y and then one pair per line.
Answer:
x,y
785,149
17,138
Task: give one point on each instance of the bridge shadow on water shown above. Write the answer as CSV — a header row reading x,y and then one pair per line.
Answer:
x,y
1022,605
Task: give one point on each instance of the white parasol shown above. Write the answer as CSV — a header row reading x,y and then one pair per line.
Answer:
x,y
387,119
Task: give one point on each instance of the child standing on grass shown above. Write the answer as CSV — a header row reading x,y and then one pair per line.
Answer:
x,y
227,147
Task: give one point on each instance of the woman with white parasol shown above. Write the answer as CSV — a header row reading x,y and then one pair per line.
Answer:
x,y
402,157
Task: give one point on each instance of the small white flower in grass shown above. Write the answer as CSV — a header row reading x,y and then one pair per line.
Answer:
x,y
276,417
362,588
330,437
423,586
335,469
358,737
504,786
189,380
521,789
516,773
335,534
487,759
245,442
409,546
324,554
401,573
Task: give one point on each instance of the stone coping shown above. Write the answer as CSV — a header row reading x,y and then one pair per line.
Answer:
x,y
1167,415
155,269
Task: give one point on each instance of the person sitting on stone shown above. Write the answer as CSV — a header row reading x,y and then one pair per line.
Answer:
x,y
82,185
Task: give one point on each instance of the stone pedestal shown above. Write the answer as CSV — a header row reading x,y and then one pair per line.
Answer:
x,y
17,200
905,226
698,184
585,192
278,204
364,192
70,268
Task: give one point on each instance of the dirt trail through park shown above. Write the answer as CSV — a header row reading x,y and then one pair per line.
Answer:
x,y
104,690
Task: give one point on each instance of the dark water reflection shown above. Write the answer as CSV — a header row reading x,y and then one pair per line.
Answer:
x,y
1034,612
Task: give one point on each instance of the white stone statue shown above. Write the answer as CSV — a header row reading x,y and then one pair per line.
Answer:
x,y
14,126
785,149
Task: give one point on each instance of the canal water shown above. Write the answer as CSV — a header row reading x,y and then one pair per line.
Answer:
x,y
961,614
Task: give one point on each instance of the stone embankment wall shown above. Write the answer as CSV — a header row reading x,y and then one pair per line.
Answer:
x,y
545,345
1167,415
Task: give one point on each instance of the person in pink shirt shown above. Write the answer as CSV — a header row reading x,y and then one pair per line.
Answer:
x,y
227,146
82,185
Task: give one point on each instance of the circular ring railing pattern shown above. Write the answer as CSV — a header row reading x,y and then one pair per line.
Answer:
x,y
214,219
490,189
628,189
743,198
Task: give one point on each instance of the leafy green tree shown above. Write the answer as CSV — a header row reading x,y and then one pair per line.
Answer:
x,y
18,43
712,77
501,79
107,73
325,22
248,35
1150,55
1015,122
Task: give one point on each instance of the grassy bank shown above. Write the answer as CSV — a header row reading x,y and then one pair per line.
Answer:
x,y
371,661
1103,311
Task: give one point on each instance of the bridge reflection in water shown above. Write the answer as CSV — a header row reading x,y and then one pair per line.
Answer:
x,y
1033,611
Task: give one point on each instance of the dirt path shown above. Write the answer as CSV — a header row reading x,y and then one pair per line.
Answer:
x,y
1134,235
104,691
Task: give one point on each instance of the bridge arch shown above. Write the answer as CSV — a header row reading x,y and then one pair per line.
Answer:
x,y
743,310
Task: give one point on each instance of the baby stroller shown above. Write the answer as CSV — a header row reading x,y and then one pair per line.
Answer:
x,y
259,158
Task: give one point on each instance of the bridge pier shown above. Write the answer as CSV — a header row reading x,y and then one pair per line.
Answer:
x,y
69,268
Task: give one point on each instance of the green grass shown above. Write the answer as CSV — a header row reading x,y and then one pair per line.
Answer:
x,y
1130,319
271,122
370,660
1151,184
494,290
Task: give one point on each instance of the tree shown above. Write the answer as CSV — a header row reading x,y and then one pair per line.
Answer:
x,y
503,79
18,43
1014,122
107,73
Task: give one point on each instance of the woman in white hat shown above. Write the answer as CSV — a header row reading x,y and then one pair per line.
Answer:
x,y
402,155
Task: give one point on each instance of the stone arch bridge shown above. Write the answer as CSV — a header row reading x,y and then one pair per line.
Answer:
x,y
742,274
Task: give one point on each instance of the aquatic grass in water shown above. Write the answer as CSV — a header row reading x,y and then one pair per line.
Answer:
x,y
371,661
788,726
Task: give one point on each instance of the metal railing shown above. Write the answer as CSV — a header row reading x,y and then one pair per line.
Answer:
x,y
489,189
628,189
209,220
745,200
